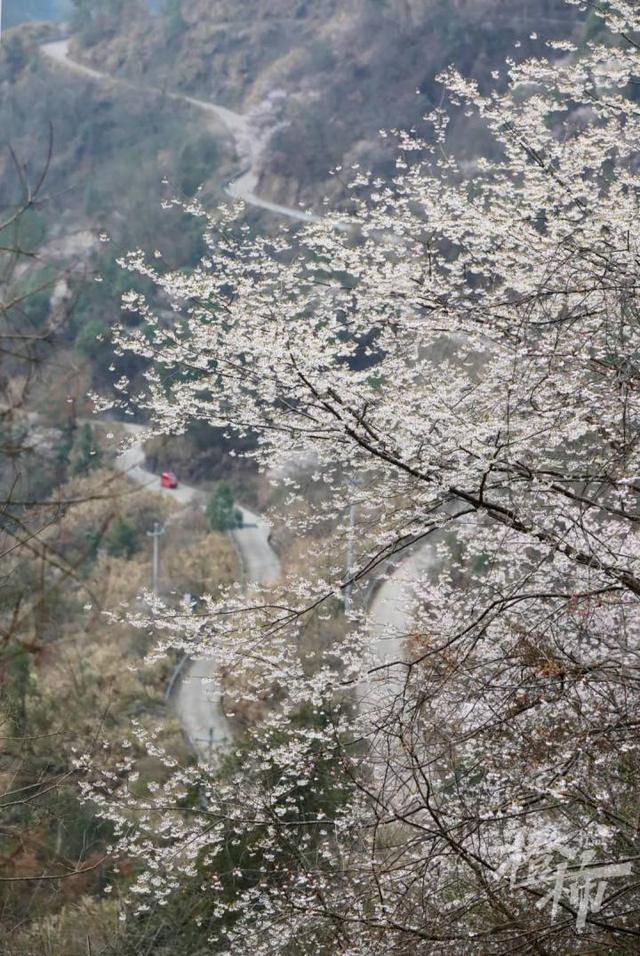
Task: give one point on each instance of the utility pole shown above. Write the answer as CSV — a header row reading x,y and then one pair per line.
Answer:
x,y
155,534
348,589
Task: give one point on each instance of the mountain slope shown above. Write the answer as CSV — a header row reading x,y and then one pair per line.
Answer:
x,y
326,76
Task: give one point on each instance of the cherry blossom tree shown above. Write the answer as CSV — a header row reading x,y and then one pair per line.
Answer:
x,y
456,355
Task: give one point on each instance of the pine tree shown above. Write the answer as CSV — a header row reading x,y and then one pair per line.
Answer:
x,y
221,511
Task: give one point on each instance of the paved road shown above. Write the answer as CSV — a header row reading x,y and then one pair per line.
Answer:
x,y
247,140
391,615
390,618
198,698
132,462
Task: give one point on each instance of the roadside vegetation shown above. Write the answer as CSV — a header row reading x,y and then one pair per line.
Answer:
x,y
73,530
456,373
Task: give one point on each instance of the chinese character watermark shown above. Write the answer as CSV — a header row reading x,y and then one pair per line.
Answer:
x,y
563,870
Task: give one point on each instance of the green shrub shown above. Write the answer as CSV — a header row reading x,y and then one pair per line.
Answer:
x,y
122,540
86,452
221,511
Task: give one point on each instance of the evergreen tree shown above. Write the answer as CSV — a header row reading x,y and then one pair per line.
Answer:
x,y
123,539
221,511
87,454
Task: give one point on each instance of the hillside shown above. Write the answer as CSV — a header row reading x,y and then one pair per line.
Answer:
x,y
324,77
118,163
110,149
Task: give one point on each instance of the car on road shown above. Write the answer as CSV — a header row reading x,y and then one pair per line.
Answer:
x,y
168,480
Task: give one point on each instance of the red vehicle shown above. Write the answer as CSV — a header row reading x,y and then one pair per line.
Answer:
x,y
168,480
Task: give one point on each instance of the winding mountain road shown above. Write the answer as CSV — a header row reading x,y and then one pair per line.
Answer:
x,y
391,615
198,698
247,140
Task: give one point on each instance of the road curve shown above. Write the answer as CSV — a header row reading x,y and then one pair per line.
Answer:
x,y
247,143
198,697
131,461
390,617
